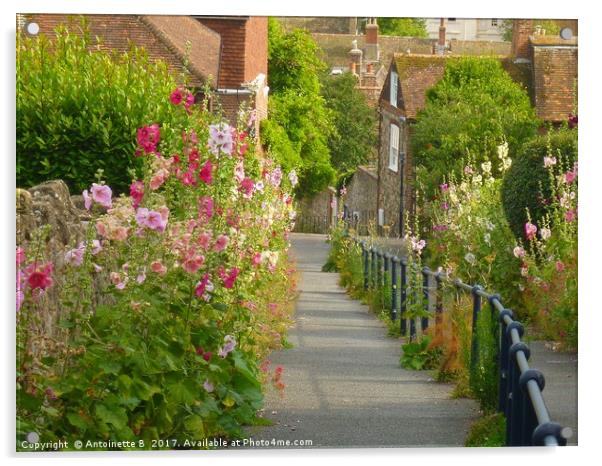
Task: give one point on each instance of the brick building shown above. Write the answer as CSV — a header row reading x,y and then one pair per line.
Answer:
x,y
229,53
545,66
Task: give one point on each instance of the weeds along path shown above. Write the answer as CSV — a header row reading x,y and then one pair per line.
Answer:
x,y
344,384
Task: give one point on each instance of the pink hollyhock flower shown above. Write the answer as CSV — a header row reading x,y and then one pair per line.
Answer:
x,y
545,233
549,161
570,176
148,137
193,156
120,234
137,193
221,243
206,205
205,173
188,178
97,268
176,96
256,259
570,215
142,216
247,186
118,281
231,277
101,194
158,267
468,170
41,278
76,256
239,171
229,345
559,266
519,252
524,271
530,230
276,177
204,240
444,187
242,150
158,179
20,256
208,386
192,264
87,199
189,102
155,221
202,286
141,277
445,206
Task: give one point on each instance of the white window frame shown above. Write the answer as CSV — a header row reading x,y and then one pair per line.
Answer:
x,y
394,131
393,89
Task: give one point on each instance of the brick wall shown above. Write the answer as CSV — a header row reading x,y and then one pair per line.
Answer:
x,y
555,81
521,30
256,47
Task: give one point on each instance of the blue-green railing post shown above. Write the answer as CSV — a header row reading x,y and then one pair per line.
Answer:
x,y
474,346
503,391
425,295
365,264
372,267
403,325
394,262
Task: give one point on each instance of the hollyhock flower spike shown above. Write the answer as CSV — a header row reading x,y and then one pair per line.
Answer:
x,y
530,230
205,173
148,138
137,193
75,256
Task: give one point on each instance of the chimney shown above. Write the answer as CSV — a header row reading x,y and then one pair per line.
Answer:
x,y
372,50
521,30
440,45
355,58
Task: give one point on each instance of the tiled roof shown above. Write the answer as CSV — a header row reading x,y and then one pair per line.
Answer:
x,y
417,74
179,31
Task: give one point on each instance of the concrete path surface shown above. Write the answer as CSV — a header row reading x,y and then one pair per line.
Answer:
x,y
560,393
344,385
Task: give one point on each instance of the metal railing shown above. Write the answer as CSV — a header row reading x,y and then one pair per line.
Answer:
x,y
312,224
520,387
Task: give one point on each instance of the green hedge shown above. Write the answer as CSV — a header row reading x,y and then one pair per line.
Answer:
x,y
78,108
527,183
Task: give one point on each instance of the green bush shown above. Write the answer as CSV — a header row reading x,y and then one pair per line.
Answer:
x,y
473,109
78,109
527,184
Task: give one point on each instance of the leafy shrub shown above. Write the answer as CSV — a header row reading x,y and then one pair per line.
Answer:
x,y
488,431
419,355
472,110
414,27
527,184
78,109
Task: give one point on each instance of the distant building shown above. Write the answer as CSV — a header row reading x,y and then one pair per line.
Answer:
x,y
466,28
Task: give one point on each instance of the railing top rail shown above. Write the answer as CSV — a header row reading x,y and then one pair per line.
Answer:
x,y
515,331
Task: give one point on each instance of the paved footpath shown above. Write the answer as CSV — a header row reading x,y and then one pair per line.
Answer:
x,y
344,385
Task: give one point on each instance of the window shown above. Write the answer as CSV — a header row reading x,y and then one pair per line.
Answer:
x,y
451,20
394,147
494,22
393,89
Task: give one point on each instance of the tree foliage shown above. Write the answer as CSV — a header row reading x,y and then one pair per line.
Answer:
x,y
414,27
299,126
473,109
78,109
354,120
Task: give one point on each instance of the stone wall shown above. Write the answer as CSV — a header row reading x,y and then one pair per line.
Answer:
x,y
337,25
479,47
359,205
315,214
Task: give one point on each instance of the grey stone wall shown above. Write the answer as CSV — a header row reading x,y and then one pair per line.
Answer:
x,y
315,214
359,204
